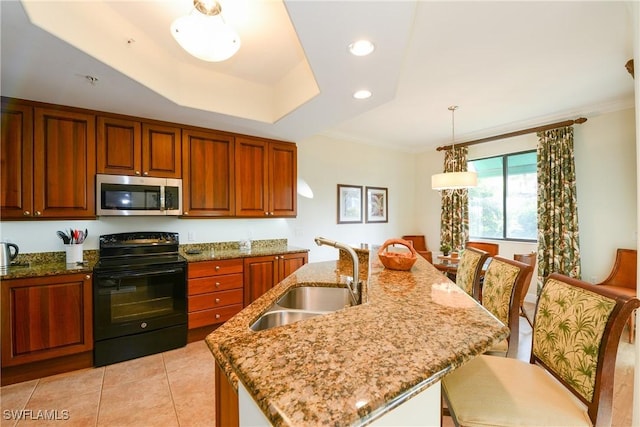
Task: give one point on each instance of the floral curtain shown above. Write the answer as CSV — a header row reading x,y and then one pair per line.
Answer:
x,y
558,242
454,216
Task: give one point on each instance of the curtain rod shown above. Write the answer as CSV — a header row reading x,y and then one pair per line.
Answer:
x,y
516,133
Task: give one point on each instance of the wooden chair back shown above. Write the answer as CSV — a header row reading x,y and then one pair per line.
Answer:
x,y
469,271
623,273
420,245
529,259
491,248
502,288
576,333
623,279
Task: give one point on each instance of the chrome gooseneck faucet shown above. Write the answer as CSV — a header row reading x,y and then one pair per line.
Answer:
x,y
355,286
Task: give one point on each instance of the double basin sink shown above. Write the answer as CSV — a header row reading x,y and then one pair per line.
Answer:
x,y
301,303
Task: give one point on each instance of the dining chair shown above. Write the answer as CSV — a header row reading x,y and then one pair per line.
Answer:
x,y
623,279
529,259
503,285
569,377
469,270
420,245
491,248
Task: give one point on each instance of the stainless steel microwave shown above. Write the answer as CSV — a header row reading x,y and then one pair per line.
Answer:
x,y
134,195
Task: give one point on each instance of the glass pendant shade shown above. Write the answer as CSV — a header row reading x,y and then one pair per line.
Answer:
x,y
453,180
207,38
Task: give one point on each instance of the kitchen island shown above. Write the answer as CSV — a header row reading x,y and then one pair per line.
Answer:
x,y
355,365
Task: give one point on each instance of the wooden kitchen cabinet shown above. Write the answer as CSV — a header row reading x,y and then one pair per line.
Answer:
x,y
131,147
215,291
64,163
53,152
16,160
266,178
46,317
208,186
263,273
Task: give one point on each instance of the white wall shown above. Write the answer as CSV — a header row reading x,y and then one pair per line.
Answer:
x,y
323,162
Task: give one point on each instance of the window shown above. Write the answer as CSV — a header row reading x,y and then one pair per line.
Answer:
x,y
504,204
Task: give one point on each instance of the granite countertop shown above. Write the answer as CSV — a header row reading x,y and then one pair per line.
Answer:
x,y
53,263
347,367
210,252
48,264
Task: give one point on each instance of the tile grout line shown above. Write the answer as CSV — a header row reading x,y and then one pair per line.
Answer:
x,y
26,403
166,375
104,371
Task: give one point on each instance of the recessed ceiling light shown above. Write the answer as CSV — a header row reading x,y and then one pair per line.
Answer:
x,y
362,94
361,48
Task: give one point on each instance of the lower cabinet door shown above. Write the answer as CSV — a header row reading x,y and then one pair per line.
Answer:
x,y
46,317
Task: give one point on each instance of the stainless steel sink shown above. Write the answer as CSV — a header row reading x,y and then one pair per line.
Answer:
x,y
302,303
315,298
271,319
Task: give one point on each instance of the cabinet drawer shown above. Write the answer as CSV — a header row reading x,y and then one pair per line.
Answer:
x,y
215,299
214,268
213,316
204,285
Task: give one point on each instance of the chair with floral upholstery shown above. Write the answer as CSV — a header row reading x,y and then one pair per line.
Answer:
x,y
569,379
469,271
504,283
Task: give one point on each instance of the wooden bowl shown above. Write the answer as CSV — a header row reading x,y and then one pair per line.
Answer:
x,y
397,260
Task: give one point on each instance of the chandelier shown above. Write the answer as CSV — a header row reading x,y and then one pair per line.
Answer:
x,y
453,180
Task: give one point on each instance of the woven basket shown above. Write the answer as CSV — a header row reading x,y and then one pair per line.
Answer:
x,y
397,260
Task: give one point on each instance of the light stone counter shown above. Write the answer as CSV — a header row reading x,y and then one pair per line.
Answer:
x,y
350,366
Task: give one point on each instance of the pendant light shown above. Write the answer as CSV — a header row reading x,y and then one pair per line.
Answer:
x,y
205,34
453,180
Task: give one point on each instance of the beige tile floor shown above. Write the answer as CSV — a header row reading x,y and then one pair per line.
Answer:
x,y
175,388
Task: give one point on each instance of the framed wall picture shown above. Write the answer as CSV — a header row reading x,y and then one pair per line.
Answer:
x,y
377,204
349,204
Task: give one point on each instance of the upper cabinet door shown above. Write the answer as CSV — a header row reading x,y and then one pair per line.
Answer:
x,y
283,179
208,188
16,158
64,163
119,146
161,150
252,177
266,178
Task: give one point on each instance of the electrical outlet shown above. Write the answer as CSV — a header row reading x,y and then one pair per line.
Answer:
x,y
191,236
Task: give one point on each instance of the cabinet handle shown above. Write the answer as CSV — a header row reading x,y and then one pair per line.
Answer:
x,y
276,257
217,268
217,316
217,300
185,213
26,213
38,213
137,172
87,277
217,284
146,173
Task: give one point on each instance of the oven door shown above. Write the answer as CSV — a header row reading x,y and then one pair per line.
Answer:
x,y
139,300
